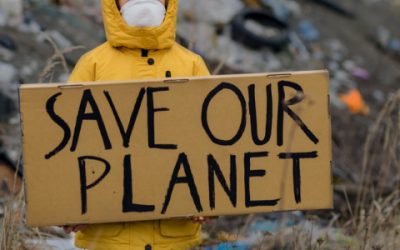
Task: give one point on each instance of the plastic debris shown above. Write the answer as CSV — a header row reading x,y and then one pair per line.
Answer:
x,y
378,96
308,31
8,73
12,12
6,55
54,243
29,68
257,29
30,25
299,46
355,102
8,42
279,9
387,42
383,35
394,45
361,73
210,11
231,246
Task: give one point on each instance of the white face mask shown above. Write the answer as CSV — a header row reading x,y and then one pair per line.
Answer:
x,y
143,13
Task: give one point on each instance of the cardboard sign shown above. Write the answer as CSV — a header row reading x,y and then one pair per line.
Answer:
x,y
218,145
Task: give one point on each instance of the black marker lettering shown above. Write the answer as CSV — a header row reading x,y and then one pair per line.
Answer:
x,y
296,170
127,202
253,115
284,107
248,173
204,114
60,122
126,133
87,98
150,118
84,185
187,179
214,169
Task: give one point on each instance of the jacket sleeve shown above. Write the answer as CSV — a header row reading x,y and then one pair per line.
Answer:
x,y
200,67
84,71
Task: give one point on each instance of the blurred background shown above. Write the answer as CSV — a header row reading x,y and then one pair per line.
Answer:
x,y
358,41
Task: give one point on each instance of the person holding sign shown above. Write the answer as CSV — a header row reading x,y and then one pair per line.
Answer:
x,y
140,45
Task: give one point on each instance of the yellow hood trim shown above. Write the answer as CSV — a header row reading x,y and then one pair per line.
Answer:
x,y
120,34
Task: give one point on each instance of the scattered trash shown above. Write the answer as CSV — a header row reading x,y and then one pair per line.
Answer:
x,y
378,96
355,102
282,9
394,45
334,97
308,31
299,47
7,42
210,11
383,36
30,25
387,42
6,55
257,29
361,73
54,243
29,69
11,12
230,246
8,73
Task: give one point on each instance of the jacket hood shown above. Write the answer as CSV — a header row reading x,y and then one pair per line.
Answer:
x,y
120,34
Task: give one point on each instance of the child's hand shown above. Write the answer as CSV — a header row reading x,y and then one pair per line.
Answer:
x,y
73,228
201,219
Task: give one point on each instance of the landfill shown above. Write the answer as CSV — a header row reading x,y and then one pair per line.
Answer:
x,y
358,42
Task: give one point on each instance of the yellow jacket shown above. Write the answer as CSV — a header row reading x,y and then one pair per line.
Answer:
x,y
138,53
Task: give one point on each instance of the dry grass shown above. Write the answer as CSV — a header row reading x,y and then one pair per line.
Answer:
x,y
380,173
58,58
12,222
378,201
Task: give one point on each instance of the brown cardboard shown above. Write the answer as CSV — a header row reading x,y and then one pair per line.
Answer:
x,y
56,187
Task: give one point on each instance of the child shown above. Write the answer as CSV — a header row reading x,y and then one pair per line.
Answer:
x,y
141,44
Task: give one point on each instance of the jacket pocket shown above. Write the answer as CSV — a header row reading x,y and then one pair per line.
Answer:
x,y
179,228
103,230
